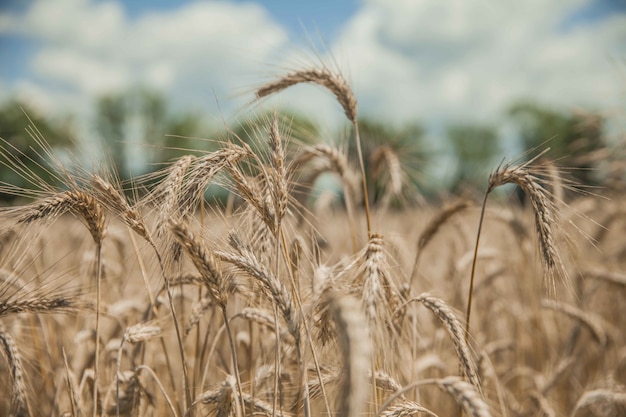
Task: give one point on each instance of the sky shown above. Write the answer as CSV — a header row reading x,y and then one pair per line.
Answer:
x,y
432,61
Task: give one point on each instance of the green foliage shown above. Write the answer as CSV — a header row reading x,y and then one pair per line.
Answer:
x,y
126,121
139,131
571,137
17,146
475,148
185,133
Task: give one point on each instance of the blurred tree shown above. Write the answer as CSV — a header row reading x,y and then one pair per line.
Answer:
x,y
572,137
18,147
475,148
185,133
394,158
138,131
126,122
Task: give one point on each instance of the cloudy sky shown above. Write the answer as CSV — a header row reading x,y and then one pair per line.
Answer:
x,y
427,60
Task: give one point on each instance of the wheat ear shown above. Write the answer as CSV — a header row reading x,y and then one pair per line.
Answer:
x,y
19,402
602,397
524,176
338,86
455,330
465,395
214,281
352,336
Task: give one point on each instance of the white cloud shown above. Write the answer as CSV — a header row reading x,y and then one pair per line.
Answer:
x,y
407,59
457,59
83,72
89,48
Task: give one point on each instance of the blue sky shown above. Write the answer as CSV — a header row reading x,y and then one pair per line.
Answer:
x,y
426,60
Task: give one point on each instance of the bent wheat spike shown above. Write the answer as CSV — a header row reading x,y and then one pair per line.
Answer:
x,y
335,83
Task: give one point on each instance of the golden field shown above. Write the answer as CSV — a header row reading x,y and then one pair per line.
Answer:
x,y
158,305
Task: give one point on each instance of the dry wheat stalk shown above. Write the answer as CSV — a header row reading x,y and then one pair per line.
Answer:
x,y
524,176
70,380
198,309
337,163
379,295
171,188
166,197
259,316
255,193
214,280
141,332
615,277
224,398
542,403
385,382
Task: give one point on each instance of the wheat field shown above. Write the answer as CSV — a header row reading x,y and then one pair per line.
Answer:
x,y
141,300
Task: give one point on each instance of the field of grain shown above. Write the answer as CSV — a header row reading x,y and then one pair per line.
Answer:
x,y
159,305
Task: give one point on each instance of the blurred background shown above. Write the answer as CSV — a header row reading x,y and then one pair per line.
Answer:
x,y
451,86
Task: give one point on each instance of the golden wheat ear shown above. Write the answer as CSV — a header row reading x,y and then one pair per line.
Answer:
x,y
19,402
527,177
337,85
352,336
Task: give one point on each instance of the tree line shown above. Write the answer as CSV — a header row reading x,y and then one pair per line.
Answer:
x,y
137,132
